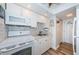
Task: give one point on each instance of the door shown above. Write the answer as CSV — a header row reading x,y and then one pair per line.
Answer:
x,y
68,32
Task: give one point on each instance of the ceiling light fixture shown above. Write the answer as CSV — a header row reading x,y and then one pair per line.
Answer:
x,y
69,15
29,6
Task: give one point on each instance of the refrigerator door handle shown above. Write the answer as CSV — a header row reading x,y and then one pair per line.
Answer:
x,y
74,35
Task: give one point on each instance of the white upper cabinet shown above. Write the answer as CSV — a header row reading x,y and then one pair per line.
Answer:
x,y
31,17
15,20
14,9
34,20
27,14
19,12
13,15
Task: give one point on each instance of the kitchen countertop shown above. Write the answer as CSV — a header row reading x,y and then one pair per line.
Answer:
x,y
15,40
40,37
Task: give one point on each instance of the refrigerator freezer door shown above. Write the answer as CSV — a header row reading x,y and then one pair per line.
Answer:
x,y
76,36
77,27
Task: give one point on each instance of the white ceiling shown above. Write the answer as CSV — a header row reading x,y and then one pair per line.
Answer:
x,y
62,15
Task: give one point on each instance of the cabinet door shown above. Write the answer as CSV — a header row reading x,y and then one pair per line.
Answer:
x,y
14,9
31,17
33,20
36,48
47,44
27,14
42,46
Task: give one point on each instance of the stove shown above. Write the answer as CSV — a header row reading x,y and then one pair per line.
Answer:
x,y
24,48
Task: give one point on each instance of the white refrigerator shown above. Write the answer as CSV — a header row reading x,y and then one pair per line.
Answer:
x,y
76,36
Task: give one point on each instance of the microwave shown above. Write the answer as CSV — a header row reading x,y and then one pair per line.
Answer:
x,y
14,20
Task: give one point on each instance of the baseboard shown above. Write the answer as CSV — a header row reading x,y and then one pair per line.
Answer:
x,y
55,48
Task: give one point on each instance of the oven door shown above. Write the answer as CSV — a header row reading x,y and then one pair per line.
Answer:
x,y
26,51
21,49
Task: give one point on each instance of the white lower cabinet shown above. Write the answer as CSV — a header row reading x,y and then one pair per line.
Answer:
x,y
36,47
45,45
40,46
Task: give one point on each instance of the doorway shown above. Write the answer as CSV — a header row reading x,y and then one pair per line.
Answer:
x,y
67,18
68,31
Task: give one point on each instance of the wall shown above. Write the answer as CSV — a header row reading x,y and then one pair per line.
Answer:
x,y
53,32
59,33
56,32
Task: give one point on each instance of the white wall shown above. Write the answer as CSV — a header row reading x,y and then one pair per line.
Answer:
x,y
53,32
59,33
56,33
